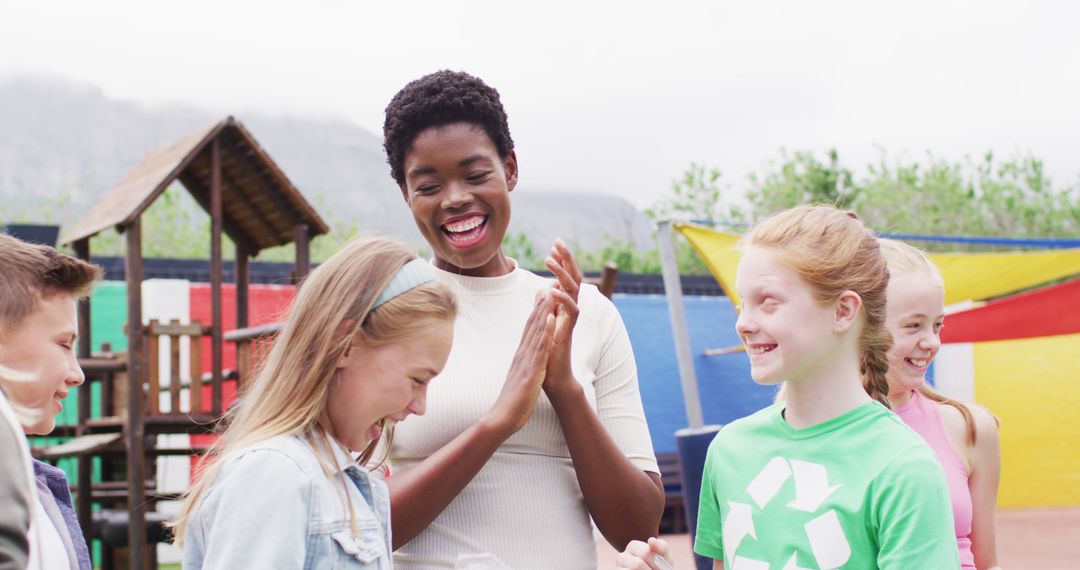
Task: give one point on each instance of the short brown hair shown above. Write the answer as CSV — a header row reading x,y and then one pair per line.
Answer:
x,y
30,272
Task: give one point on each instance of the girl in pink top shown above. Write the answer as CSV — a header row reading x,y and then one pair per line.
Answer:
x,y
963,436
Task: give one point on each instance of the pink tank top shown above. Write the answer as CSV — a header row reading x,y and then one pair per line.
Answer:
x,y
923,416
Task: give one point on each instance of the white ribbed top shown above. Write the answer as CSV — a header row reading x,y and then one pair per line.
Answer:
x,y
525,506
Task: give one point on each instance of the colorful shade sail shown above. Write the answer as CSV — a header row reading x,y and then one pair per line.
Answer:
x,y
720,252
976,276
1051,311
968,276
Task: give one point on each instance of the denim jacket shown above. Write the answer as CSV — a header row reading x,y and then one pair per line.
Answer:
x,y
273,506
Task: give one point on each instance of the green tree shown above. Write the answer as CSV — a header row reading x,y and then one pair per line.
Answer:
x,y
699,194
519,247
630,259
801,178
1013,198
983,197
173,226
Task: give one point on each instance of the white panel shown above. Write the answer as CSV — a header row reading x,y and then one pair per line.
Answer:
x,y
164,300
954,371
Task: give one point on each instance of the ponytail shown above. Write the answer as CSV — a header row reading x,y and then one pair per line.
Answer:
x,y
874,344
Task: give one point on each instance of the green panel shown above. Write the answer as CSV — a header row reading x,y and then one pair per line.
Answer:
x,y
108,315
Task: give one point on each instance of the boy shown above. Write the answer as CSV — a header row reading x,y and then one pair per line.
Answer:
x,y
39,291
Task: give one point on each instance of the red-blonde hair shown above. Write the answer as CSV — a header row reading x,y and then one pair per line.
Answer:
x,y
834,252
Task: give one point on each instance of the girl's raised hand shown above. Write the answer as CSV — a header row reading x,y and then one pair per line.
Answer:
x,y
516,401
644,556
568,283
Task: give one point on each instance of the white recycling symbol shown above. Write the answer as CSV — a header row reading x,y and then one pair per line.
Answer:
x,y
827,540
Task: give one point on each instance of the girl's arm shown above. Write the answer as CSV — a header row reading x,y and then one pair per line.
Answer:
x,y
418,495
256,523
983,478
625,502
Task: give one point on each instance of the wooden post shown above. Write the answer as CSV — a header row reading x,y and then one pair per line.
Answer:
x,y
195,367
85,513
82,251
607,278
153,367
216,218
243,281
174,370
135,436
303,252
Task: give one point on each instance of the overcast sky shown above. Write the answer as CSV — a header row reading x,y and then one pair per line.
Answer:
x,y
608,96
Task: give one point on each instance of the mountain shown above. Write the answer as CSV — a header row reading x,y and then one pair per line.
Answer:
x,y
64,144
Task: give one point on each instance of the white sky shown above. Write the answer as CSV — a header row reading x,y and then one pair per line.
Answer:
x,y
604,95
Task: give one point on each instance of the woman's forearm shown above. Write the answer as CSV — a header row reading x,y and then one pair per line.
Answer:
x,y
419,495
625,502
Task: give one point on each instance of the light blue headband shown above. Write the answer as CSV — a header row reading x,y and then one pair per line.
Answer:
x,y
413,274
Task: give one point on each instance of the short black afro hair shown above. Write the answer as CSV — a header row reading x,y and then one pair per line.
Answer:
x,y
442,98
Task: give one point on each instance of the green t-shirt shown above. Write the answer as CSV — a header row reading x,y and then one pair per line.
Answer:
x,y
859,491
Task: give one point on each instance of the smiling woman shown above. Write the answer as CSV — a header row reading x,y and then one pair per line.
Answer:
x,y
539,424
458,188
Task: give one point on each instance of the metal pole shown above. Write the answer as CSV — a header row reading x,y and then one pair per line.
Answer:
x,y
683,355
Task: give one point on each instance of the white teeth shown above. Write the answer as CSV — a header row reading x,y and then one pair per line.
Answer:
x,y
919,362
761,349
465,225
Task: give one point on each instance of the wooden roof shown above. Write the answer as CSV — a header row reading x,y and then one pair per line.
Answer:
x,y
260,206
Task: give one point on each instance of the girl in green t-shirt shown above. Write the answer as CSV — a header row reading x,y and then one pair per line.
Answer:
x,y
827,478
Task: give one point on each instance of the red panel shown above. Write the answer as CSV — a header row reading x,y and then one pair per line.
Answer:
x,y
266,304
1052,311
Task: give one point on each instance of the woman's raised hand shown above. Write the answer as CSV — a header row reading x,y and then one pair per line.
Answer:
x,y
565,291
516,401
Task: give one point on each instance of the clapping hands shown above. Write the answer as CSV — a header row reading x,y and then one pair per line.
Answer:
x,y
565,293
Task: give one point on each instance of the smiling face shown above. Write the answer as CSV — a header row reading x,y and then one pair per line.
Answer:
x,y
788,333
916,313
385,383
458,189
42,346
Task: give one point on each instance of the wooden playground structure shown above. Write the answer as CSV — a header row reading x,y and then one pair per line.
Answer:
x,y
250,200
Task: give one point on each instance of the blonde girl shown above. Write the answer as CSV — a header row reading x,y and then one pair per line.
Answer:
x,y
829,477
964,437
286,485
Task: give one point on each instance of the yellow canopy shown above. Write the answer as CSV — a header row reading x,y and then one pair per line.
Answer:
x,y
968,276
